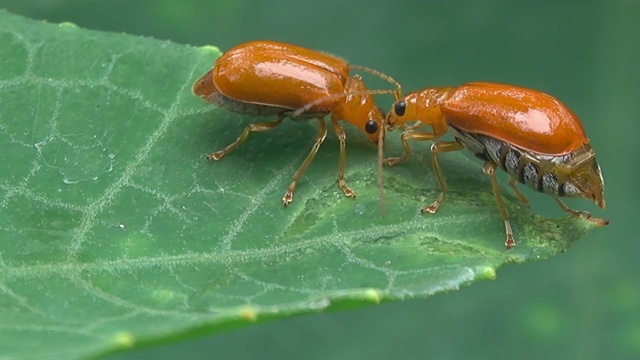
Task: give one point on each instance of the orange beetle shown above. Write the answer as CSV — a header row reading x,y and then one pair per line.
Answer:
x,y
535,138
270,78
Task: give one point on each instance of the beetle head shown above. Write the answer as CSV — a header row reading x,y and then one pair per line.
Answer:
x,y
360,109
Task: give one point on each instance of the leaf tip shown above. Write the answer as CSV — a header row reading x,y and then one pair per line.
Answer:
x,y
124,339
599,222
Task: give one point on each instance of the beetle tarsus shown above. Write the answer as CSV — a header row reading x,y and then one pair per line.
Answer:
x,y
287,198
216,155
392,161
345,189
510,242
431,209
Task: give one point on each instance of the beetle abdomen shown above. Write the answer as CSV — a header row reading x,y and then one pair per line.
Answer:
x,y
205,88
544,173
243,107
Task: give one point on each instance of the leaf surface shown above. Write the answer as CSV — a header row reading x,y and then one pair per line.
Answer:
x,y
115,232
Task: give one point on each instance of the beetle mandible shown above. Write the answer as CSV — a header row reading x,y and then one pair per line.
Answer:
x,y
531,135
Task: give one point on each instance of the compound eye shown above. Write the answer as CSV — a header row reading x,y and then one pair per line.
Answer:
x,y
400,108
371,127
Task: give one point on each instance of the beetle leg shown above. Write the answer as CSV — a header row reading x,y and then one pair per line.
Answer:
x,y
322,134
440,146
404,138
257,127
574,213
489,168
519,194
342,137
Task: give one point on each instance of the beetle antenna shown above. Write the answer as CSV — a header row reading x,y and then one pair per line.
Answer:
x,y
397,94
383,76
302,110
381,138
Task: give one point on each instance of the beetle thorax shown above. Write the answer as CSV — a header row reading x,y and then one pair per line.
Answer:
x,y
358,108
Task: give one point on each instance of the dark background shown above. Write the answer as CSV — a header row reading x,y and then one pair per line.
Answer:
x,y
580,305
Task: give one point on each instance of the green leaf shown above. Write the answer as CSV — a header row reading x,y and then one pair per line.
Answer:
x,y
115,232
